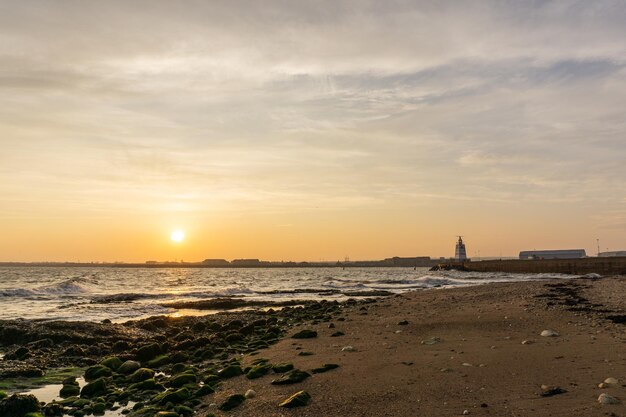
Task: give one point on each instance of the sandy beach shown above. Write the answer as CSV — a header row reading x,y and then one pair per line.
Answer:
x,y
477,349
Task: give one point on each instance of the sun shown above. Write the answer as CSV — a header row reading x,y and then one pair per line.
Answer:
x,y
177,236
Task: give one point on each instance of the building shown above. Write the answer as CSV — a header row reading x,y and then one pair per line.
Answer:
x,y
460,254
246,262
553,254
216,262
612,254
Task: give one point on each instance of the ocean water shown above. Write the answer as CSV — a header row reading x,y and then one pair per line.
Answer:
x,y
118,294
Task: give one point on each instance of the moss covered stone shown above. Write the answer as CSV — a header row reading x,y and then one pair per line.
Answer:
x,y
94,388
171,396
230,371
19,405
142,374
128,367
112,362
281,368
97,371
258,371
159,361
147,352
298,399
305,334
291,377
69,390
325,368
232,402
179,380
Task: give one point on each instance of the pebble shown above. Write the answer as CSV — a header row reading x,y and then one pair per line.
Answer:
x,y
527,342
549,333
607,399
466,412
250,394
467,364
611,381
348,349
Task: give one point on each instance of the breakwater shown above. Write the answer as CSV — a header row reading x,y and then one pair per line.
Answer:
x,y
602,266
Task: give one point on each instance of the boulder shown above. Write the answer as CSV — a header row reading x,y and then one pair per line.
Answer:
x,y
128,367
94,388
298,399
232,402
19,405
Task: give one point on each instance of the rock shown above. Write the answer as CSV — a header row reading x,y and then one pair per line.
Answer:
x,y
171,396
432,341
466,364
142,374
69,390
550,391
611,381
232,402
95,388
305,353
549,333
291,377
112,362
250,394
230,371
145,385
128,367
3,395
403,323
348,349
179,380
337,334
305,334
258,371
466,412
298,399
204,390
331,326
158,361
527,342
147,352
281,368
607,399
325,368
19,405
97,371
98,409
167,414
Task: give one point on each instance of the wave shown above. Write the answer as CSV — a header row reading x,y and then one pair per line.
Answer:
x,y
67,287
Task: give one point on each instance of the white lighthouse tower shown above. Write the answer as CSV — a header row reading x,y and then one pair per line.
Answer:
x,y
459,253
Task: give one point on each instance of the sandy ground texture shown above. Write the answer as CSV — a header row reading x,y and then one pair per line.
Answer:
x,y
474,350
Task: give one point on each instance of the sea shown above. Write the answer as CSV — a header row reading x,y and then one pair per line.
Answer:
x,y
120,294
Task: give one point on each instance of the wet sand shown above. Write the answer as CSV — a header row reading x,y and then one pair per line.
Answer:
x,y
476,348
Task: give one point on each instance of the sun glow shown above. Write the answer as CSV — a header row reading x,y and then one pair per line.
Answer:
x,y
177,236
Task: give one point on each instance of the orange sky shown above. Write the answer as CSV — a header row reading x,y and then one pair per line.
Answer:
x,y
293,131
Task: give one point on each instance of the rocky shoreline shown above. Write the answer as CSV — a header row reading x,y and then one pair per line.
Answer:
x,y
161,365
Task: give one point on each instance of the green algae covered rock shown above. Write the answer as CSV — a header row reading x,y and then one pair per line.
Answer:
x,y
97,371
94,388
112,362
291,377
18,405
69,390
305,334
230,371
281,368
258,371
171,396
179,380
298,399
142,374
128,367
324,368
232,402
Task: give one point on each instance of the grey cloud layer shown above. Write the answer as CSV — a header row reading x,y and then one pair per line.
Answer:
x,y
287,100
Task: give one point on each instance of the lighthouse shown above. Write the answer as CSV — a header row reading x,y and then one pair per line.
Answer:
x,y
459,253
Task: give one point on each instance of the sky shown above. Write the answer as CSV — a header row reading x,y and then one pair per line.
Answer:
x,y
297,130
